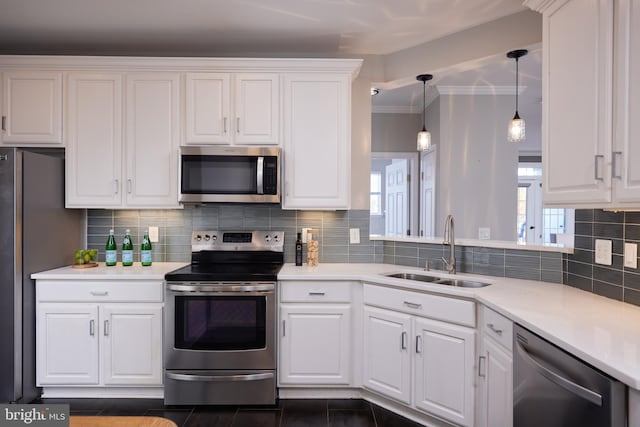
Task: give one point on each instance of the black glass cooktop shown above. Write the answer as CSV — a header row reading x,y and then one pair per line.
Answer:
x,y
225,272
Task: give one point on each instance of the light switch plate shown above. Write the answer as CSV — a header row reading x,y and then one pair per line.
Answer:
x,y
354,235
153,234
603,252
631,255
484,233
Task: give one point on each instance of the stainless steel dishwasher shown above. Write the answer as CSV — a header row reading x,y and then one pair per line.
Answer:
x,y
552,388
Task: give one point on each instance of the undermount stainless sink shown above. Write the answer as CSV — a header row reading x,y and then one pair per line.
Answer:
x,y
461,283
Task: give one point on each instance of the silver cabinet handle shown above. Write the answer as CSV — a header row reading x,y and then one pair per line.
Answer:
x,y
4,123
614,165
481,372
106,328
412,304
559,380
284,328
597,176
493,328
224,125
418,344
116,186
99,294
92,325
403,341
312,293
237,124
129,182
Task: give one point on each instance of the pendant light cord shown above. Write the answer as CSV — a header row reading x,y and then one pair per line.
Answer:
x,y
424,106
517,73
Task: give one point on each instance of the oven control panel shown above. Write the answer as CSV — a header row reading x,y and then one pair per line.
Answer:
x,y
215,240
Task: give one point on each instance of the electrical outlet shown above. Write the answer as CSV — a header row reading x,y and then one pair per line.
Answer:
x,y
153,234
484,233
631,255
603,252
354,235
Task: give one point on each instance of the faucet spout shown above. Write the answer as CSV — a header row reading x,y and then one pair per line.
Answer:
x,y
450,239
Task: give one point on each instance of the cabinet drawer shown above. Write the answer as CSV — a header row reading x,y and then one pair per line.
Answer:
x,y
496,326
315,291
438,307
100,291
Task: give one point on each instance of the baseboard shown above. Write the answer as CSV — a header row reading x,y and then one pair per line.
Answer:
x,y
103,392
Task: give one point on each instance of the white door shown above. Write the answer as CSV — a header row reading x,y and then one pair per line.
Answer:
x,y
496,386
577,108
428,193
444,370
208,118
32,108
93,135
316,144
257,107
626,153
315,344
152,139
387,353
131,343
532,228
396,193
67,344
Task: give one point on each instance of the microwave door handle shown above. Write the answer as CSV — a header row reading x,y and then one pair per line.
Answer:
x,y
260,175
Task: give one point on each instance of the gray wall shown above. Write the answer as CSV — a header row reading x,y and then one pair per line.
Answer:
x,y
394,132
477,168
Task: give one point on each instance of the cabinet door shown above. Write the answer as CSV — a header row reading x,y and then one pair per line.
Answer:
x,y
317,142
626,154
577,108
93,114
152,140
132,344
67,344
32,112
207,108
495,397
257,107
387,357
315,344
444,370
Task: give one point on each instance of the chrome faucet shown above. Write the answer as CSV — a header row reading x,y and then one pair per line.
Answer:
x,y
450,239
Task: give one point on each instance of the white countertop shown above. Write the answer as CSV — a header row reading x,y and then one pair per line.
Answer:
x,y
598,330
155,271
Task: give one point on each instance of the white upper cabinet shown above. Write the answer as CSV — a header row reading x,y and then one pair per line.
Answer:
x,y
99,144
152,139
32,108
317,141
248,114
590,52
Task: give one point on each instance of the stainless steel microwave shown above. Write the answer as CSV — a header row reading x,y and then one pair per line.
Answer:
x,y
229,174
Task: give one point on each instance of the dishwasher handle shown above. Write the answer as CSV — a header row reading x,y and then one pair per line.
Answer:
x,y
559,380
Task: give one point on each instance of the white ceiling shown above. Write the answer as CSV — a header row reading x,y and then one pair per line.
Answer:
x,y
234,27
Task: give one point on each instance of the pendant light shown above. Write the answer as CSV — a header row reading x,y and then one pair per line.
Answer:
x,y
516,131
424,136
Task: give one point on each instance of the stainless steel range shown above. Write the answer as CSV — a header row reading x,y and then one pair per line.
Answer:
x,y
220,320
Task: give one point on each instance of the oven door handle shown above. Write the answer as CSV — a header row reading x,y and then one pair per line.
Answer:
x,y
221,288
565,383
220,378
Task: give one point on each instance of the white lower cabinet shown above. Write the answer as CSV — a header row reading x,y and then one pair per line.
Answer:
x,y
315,333
85,342
423,362
495,371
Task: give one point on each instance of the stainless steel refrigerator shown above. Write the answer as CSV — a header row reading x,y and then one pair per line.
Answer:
x,y
36,233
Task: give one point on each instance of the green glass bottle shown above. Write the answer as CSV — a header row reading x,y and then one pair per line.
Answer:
x,y
145,250
127,249
111,250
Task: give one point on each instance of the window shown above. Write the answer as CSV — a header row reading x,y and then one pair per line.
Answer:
x,y
376,193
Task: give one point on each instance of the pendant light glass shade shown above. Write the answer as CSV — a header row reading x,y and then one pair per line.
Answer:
x,y
424,136
516,130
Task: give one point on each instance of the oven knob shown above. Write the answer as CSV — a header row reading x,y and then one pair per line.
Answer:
x,y
198,237
214,237
267,238
207,237
275,237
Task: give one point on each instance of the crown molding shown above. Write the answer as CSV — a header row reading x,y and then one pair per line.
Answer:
x,y
395,109
480,90
538,5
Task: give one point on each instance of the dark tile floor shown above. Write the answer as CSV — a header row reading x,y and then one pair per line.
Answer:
x,y
287,413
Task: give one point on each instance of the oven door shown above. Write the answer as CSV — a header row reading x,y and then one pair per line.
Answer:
x,y
220,326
